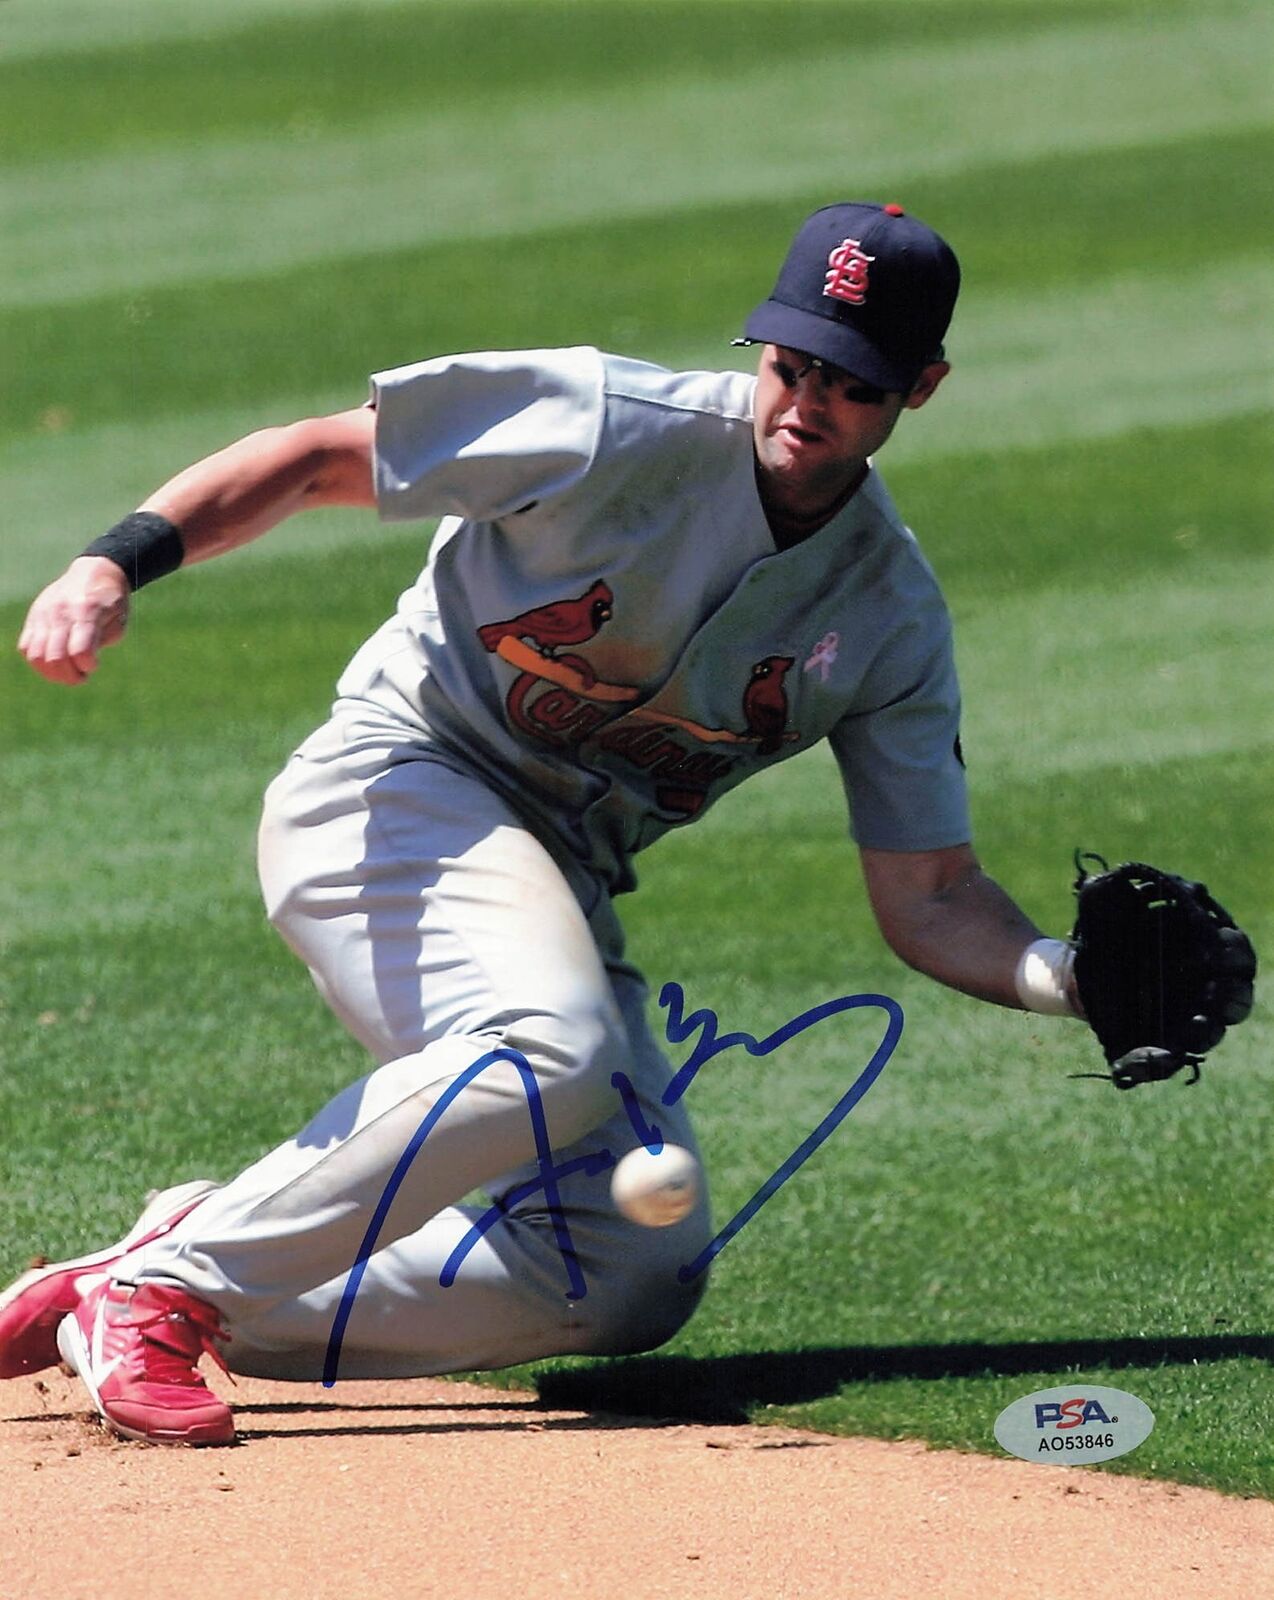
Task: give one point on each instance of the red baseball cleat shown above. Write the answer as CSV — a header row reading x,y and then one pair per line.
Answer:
x,y
137,1347
33,1306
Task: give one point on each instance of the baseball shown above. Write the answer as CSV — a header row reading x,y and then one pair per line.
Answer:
x,y
656,1189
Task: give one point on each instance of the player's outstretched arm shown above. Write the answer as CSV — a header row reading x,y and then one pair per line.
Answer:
x,y
941,914
216,505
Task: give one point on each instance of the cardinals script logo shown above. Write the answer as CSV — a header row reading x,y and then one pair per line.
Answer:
x,y
558,699
646,737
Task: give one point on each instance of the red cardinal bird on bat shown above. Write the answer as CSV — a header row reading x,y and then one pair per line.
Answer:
x,y
562,622
765,703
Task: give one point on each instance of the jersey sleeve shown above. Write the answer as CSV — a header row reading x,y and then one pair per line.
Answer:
x,y
900,757
480,436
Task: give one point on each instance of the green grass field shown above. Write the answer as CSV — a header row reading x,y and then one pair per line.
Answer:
x,y
215,222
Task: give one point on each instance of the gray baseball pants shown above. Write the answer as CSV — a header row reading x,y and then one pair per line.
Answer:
x,y
439,928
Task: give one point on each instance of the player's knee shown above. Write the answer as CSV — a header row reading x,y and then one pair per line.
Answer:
x,y
667,1313
641,1312
649,1290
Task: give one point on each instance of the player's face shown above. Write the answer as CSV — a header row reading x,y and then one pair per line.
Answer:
x,y
815,426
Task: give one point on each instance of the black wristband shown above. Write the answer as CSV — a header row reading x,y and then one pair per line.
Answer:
x,y
144,546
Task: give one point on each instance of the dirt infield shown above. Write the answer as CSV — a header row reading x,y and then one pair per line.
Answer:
x,y
446,1489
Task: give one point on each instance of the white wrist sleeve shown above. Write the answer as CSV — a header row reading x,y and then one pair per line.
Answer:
x,y
1042,975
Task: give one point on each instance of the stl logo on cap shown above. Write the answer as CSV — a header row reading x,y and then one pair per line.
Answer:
x,y
847,272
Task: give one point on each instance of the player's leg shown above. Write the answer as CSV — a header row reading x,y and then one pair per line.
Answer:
x,y
442,931
510,1299
436,924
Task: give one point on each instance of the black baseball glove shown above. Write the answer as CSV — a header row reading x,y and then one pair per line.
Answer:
x,y
1162,969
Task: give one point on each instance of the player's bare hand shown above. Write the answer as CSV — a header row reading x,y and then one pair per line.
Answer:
x,y
71,620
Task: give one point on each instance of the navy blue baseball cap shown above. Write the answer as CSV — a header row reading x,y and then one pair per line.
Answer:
x,y
864,287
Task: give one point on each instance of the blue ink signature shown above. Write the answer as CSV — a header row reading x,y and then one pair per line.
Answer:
x,y
548,1181
678,1029
709,1045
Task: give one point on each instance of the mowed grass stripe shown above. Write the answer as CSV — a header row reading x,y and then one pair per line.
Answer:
x,y
34,31
267,66
672,287
1161,669
144,34
31,30
82,228
999,416
1101,357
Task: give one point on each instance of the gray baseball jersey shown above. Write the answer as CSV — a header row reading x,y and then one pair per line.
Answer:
x,y
605,629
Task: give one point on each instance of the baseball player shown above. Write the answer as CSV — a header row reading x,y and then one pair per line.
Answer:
x,y
647,585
